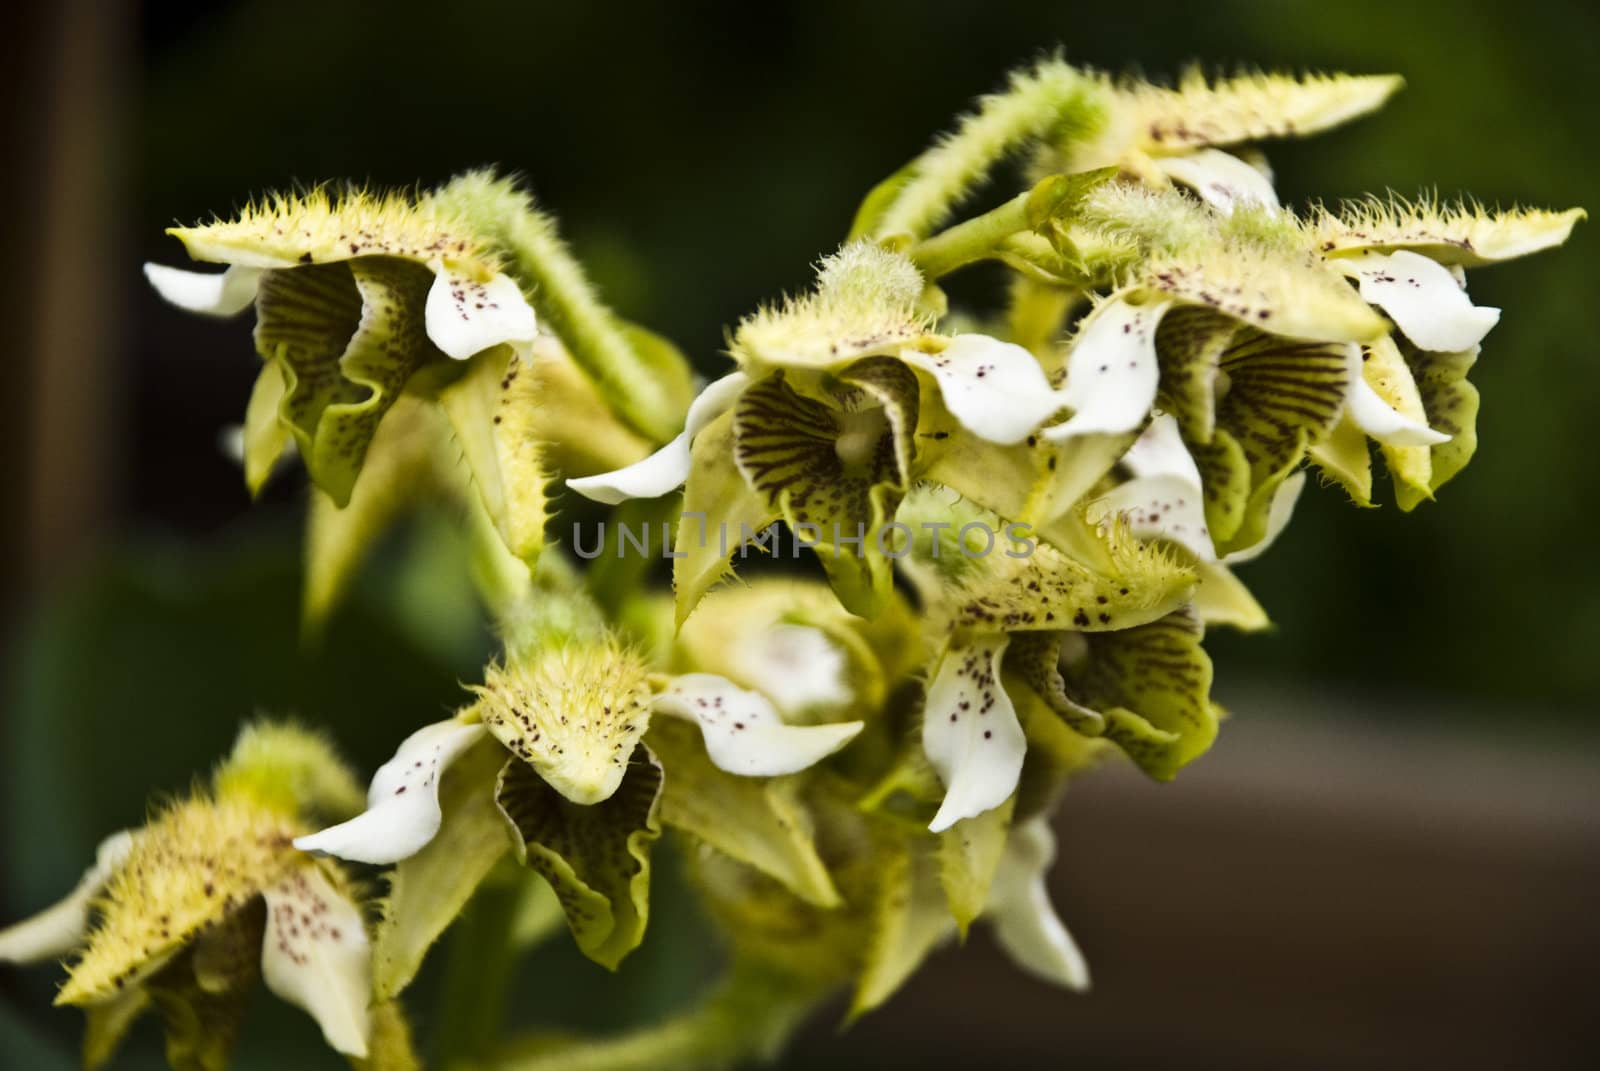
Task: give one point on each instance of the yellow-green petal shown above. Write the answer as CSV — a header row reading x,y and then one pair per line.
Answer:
x,y
759,821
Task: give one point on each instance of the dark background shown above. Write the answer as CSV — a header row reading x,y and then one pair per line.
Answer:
x,y
1387,861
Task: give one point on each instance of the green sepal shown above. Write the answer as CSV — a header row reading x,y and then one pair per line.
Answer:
x,y
596,857
428,890
410,463
107,1023
719,505
969,853
909,919
760,821
1451,405
265,437
201,994
493,409
1223,599
1345,458
1048,589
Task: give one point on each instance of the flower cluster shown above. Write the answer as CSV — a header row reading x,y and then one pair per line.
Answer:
x,y
857,765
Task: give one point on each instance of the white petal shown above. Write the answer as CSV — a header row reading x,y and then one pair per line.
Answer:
x,y
970,732
402,812
1112,372
797,666
209,293
1278,515
60,928
1423,298
315,956
1160,451
744,734
1025,923
1378,418
465,317
995,389
667,468
1161,507
1221,179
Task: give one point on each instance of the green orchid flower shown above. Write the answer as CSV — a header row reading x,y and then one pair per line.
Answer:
x,y
824,420
184,913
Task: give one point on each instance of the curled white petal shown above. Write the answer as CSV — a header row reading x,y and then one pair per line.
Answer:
x,y
796,666
970,732
1221,179
402,812
1112,372
1423,298
1278,515
222,293
667,468
60,928
1378,418
995,389
1162,507
743,733
465,317
315,955
1025,923
1160,451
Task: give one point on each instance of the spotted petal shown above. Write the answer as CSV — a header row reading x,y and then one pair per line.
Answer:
x,y
1025,923
1221,179
224,293
1112,371
467,315
315,955
61,927
402,812
744,733
1161,507
970,731
1422,297
997,390
667,468
1378,413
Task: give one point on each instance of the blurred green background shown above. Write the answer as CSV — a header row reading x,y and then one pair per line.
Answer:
x,y
700,157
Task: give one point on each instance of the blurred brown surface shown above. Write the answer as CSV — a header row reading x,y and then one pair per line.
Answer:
x,y
1323,893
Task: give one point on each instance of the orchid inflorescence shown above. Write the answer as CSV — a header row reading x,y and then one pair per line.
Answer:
x,y
854,766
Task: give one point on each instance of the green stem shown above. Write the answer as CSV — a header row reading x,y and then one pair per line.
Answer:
x,y
971,240
642,378
482,956
747,1017
565,297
